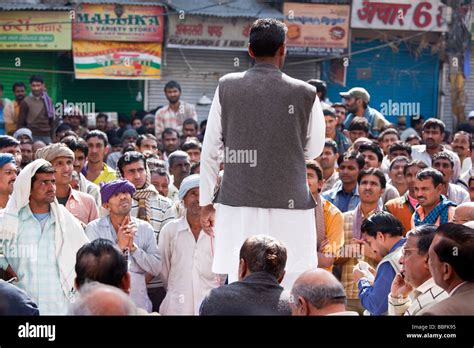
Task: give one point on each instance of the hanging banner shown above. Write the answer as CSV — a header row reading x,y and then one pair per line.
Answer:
x,y
115,22
316,29
40,30
117,60
209,32
417,15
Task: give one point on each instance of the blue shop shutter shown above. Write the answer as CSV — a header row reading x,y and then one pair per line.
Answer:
x,y
397,76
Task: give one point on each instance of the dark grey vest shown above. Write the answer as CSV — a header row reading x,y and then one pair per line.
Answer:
x,y
265,116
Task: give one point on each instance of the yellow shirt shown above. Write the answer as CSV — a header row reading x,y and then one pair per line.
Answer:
x,y
106,175
333,226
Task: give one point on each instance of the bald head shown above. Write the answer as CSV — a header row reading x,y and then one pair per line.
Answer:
x,y
317,292
100,299
464,213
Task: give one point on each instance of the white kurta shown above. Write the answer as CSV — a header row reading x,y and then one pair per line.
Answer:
x,y
186,268
294,227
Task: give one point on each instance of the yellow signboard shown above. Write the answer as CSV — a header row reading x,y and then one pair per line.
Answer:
x,y
117,60
40,30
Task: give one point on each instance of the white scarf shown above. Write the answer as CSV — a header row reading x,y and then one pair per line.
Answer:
x,y
69,234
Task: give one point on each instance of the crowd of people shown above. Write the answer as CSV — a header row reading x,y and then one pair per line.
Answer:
x,y
119,220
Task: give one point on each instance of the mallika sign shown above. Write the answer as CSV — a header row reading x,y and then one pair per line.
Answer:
x,y
114,22
416,15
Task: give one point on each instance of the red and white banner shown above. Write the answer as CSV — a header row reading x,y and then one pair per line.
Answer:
x,y
416,15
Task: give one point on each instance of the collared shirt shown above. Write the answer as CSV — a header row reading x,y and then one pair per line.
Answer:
x,y
457,194
376,120
162,212
90,188
329,183
187,268
343,144
106,175
421,212
82,206
466,165
33,257
402,209
145,259
418,152
165,117
333,223
347,277
424,296
374,297
344,201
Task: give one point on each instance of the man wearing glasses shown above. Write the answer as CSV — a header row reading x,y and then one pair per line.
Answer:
x,y
383,234
414,289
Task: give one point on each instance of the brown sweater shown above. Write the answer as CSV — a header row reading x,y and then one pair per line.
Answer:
x,y
33,115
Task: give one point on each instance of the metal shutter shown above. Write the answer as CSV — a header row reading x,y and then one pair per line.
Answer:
x,y
198,72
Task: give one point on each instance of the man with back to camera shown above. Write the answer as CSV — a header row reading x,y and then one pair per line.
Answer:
x,y
247,202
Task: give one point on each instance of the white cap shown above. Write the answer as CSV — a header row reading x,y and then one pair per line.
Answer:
x,y
471,114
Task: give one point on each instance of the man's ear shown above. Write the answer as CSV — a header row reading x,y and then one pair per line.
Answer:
x,y
282,50
425,262
303,307
242,269
251,54
126,283
281,277
448,271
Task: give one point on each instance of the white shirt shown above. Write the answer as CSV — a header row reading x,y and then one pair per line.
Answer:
x,y
418,152
466,165
186,268
457,194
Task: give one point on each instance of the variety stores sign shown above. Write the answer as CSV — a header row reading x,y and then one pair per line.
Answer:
x,y
399,15
118,23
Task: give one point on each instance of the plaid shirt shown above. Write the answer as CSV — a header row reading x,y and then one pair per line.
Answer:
x,y
426,295
167,118
32,256
347,278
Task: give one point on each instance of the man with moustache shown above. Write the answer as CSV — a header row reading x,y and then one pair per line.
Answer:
x,y
37,112
462,145
175,113
133,236
414,289
186,253
8,171
327,160
357,102
40,239
444,162
371,184
433,135
79,204
403,207
433,207
12,110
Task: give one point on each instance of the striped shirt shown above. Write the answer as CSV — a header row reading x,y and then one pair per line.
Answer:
x,y
32,256
426,295
162,212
